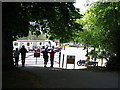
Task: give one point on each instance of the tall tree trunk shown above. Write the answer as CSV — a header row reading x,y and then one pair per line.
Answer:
x,y
117,33
7,50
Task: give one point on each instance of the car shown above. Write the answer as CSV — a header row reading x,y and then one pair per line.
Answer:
x,y
66,44
74,45
57,49
38,50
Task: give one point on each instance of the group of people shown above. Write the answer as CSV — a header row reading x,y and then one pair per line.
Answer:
x,y
45,56
23,52
16,53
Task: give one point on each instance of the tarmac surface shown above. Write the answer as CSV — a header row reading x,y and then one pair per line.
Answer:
x,y
73,78
62,77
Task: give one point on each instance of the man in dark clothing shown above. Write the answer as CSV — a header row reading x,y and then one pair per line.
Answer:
x,y
52,57
45,56
23,52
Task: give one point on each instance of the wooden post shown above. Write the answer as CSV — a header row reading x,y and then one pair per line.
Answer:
x,y
63,61
36,60
59,58
36,54
64,47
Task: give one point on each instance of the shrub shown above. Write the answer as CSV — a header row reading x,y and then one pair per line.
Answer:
x,y
113,63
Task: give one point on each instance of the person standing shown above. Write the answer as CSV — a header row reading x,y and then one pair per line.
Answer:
x,y
45,56
16,56
87,60
52,57
23,52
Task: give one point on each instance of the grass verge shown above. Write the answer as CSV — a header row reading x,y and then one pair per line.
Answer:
x,y
101,69
18,78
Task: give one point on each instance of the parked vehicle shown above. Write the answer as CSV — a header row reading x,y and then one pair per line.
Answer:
x,y
32,45
38,49
57,49
83,63
74,45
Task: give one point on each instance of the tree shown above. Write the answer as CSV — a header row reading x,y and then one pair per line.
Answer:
x,y
34,37
101,24
57,19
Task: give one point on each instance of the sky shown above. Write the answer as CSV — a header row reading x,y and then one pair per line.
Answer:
x,y
81,5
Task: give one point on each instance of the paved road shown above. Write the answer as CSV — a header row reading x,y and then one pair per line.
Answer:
x,y
69,78
64,78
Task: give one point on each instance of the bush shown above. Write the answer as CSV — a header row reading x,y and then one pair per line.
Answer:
x,y
113,63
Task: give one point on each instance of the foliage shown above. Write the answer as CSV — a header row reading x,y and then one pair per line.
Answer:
x,y
57,18
101,24
18,18
113,64
34,37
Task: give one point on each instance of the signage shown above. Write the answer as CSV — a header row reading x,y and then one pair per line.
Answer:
x,y
36,54
70,59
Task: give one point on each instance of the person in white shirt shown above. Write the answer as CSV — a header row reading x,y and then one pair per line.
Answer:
x,y
16,55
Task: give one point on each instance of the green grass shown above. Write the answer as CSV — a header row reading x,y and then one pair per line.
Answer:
x,y
20,79
70,47
101,69
68,43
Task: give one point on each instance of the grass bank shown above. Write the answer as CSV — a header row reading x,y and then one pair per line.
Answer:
x,y
101,69
18,78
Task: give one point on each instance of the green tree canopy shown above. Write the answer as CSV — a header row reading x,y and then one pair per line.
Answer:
x,y
49,17
102,23
57,19
101,29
